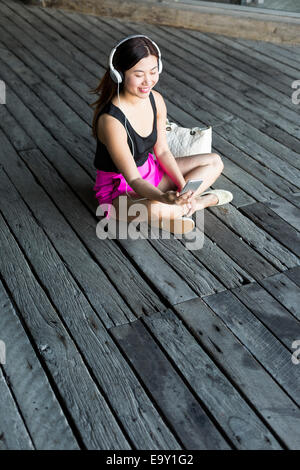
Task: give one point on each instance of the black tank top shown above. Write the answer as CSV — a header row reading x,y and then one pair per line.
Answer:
x,y
142,145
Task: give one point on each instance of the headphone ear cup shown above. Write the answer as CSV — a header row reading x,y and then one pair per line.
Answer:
x,y
116,76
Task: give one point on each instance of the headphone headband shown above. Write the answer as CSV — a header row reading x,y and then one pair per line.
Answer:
x,y
117,76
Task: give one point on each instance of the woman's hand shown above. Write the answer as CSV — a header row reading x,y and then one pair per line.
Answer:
x,y
173,197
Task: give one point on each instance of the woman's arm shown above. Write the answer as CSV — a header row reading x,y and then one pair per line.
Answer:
x,y
115,140
161,148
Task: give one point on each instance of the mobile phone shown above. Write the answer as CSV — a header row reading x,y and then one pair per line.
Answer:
x,y
191,185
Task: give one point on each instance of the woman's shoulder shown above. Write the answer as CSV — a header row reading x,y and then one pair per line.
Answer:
x,y
108,125
108,121
159,101
109,114
157,96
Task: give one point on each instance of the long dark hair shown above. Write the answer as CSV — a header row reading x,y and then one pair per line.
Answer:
x,y
126,56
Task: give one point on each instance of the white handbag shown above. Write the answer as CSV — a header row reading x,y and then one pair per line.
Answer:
x,y
183,141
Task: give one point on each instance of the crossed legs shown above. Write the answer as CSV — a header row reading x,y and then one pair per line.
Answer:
x,y
207,166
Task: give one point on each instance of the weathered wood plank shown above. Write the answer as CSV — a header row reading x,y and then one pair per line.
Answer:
x,y
276,183
244,255
285,136
279,166
293,198
285,291
219,71
60,56
31,388
78,146
211,259
260,390
281,136
290,52
51,100
17,135
74,100
247,70
255,59
13,432
252,176
83,61
171,285
294,275
270,312
254,136
234,172
257,170
267,246
125,400
264,217
36,57
84,403
258,339
276,52
194,429
209,384
286,211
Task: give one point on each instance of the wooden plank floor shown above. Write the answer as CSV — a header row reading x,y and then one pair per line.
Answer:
x,y
145,344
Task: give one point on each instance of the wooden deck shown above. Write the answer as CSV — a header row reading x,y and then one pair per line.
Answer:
x,y
144,344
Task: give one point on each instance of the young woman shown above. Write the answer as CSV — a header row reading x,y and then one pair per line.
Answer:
x,y
130,127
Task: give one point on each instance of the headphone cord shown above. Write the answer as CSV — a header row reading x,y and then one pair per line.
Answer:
x,y
143,198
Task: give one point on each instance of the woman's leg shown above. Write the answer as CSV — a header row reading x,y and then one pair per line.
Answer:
x,y
206,166
203,166
154,209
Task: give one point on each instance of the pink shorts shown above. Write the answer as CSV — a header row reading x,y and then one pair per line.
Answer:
x,y
110,185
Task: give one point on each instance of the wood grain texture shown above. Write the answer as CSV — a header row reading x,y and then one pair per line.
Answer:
x,y
257,337
275,225
209,383
146,344
181,409
14,435
37,402
83,401
247,24
243,369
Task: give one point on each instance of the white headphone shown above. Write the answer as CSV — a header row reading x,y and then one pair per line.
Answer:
x,y
116,76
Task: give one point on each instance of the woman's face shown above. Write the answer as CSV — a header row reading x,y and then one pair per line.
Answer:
x,y
142,77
